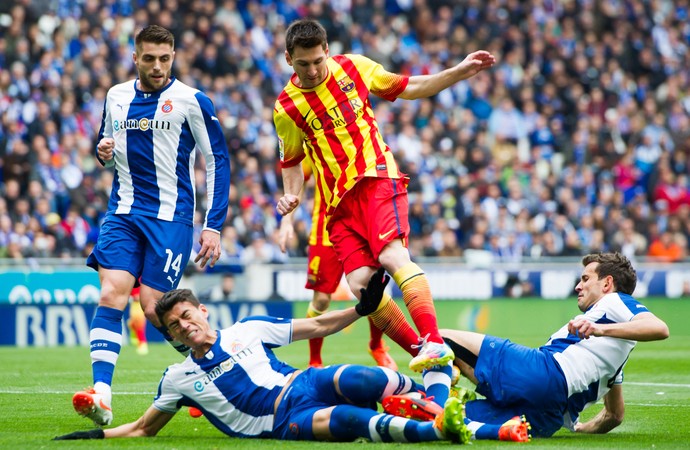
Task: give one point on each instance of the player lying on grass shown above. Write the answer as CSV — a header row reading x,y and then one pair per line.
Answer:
x,y
233,376
580,364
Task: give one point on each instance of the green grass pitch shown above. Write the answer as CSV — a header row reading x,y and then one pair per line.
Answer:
x,y
36,384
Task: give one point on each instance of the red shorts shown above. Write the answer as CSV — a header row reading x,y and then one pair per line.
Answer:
x,y
324,270
372,214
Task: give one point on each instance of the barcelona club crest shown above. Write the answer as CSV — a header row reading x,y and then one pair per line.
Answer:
x,y
346,84
167,107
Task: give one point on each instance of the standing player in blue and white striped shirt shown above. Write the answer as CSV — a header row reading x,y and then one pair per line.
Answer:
x,y
151,129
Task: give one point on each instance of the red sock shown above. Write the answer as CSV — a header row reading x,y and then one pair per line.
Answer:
x,y
376,335
141,333
390,319
417,297
315,344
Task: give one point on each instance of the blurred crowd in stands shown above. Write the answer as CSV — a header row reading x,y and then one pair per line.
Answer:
x,y
578,140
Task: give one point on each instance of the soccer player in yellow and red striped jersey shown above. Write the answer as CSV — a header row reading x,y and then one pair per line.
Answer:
x,y
324,272
324,114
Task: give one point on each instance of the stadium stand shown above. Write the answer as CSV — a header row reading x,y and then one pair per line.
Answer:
x,y
578,140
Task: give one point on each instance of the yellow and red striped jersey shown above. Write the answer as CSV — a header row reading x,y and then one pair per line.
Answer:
x,y
333,125
318,233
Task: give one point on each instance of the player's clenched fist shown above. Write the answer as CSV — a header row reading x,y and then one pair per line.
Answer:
x,y
287,204
105,149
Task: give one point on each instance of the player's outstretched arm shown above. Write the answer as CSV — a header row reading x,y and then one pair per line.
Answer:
x,y
149,424
421,86
643,327
334,321
609,417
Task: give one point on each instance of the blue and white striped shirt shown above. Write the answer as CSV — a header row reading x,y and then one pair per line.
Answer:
x,y
156,134
238,380
591,366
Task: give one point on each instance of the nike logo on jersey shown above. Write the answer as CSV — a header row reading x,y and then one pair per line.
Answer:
x,y
386,234
215,118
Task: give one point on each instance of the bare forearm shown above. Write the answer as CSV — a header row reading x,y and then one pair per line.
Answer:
x,y
608,418
293,180
421,86
132,429
643,327
600,424
646,329
324,325
335,321
147,425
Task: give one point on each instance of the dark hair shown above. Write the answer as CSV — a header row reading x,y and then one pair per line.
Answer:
x,y
616,265
172,298
305,33
155,34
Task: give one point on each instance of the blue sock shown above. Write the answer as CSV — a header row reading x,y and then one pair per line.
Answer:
x,y
180,347
349,421
437,383
363,385
106,341
482,430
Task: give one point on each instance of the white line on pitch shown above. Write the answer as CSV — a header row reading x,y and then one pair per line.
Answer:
x,y
37,391
629,383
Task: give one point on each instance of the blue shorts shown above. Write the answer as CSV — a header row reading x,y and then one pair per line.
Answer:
x,y
151,249
519,380
309,392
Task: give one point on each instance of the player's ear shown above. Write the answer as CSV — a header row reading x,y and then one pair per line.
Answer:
x,y
288,58
608,284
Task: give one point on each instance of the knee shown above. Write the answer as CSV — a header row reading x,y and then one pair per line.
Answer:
x,y
361,384
393,258
321,301
113,297
359,278
357,375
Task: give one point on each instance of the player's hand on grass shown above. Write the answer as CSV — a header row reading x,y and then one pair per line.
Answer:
x,y
371,296
96,433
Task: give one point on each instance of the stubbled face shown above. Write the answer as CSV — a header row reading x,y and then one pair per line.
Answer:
x,y
154,65
309,64
590,288
189,325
